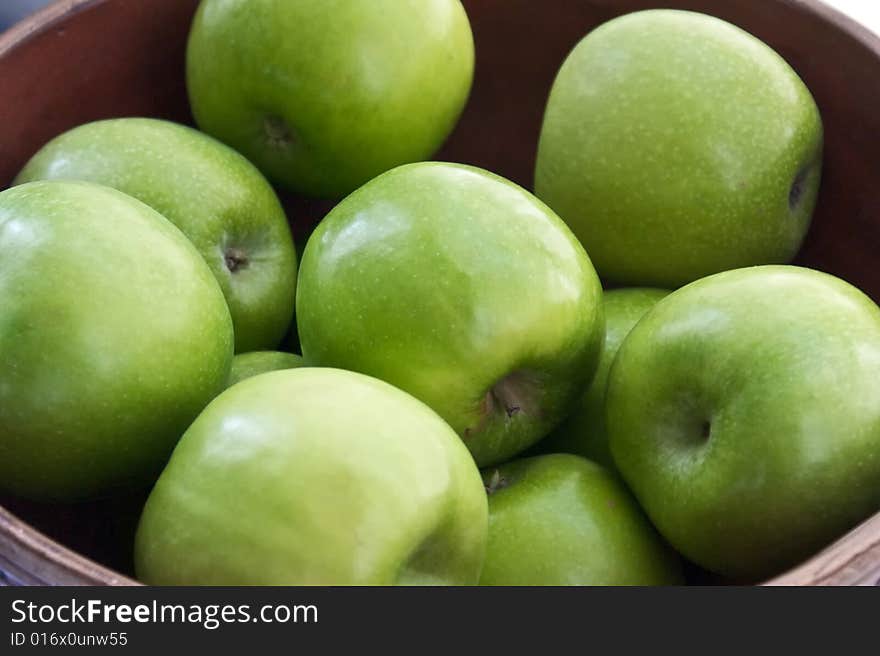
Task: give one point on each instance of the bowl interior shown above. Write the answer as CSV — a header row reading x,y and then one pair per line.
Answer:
x,y
82,60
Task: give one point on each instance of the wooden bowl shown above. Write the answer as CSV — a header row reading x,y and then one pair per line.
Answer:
x,y
82,60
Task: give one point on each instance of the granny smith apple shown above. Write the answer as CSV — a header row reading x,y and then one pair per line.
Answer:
x,y
214,195
583,431
246,365
461,288
560,519
113,337
315,477
676,145
744,412
324,95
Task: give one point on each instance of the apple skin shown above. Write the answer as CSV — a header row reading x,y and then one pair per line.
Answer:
x,y
247,365
676,145
315,477
743,412
217,198
324,95
583,431
113,333
560,519
461,288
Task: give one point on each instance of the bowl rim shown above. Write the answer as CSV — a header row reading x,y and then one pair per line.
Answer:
x,y
844,562
41,20
20,537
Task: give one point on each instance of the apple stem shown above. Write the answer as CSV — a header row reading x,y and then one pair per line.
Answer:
x,y
496,482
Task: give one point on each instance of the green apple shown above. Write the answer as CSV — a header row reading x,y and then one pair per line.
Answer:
x,y
676,145
744,412
324,95
583,431
315,477
247,365
113,337
214,195
461,288
560,519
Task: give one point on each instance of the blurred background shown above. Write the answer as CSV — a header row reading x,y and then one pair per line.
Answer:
x,y
13,10
867,11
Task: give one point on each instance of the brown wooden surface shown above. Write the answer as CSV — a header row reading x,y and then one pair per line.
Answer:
x,y
28,557
81,60
852,560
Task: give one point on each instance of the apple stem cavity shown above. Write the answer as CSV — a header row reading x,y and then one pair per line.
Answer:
x,y
510,395
706,430
514,395
235,259
278,133
796,193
